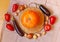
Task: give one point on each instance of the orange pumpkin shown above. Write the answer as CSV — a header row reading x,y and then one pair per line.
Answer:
x,y
30,19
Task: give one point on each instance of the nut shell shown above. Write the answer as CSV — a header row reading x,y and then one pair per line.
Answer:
x,y
30,36
35,36
21,7
38,34
43,33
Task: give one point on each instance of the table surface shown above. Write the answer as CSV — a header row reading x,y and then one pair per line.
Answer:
x,y
52,36
3,10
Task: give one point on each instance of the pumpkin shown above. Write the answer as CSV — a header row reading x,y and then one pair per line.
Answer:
x,y
31,20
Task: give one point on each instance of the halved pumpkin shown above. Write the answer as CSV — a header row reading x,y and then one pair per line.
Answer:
x,y
31,20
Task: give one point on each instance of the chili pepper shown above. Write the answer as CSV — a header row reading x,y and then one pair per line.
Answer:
x,y
17,27
7,17
15,7
10,27
44,10
52,19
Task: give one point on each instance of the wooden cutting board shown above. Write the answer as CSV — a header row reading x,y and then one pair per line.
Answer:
x,y
3,9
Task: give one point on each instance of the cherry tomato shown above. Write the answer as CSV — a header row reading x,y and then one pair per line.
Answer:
x,y
10,27
47,27
52,20
15,7
7,17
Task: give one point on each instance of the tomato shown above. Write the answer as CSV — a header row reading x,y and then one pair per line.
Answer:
x,y
47,27
7,17
15,7
52,20
10,27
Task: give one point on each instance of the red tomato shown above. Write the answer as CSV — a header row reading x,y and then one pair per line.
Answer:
x,y
47,27
15,7
7,17
10,27
52,20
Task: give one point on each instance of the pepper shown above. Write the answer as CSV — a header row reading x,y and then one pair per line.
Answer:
x,y
17,27
44,10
